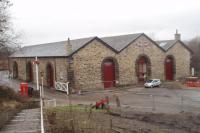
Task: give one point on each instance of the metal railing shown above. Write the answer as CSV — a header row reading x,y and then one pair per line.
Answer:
x,y
41,109
156,103
62,87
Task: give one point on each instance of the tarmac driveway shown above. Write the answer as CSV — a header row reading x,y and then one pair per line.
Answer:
x,y
131,98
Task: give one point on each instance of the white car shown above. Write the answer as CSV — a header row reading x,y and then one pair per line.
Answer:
x,y
152,83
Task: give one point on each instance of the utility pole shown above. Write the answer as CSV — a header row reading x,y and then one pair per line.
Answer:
x,y
36,62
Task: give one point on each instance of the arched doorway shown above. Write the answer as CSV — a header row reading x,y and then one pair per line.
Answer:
x,y
143,68
15,70
169,68
29,72
49,75
108,73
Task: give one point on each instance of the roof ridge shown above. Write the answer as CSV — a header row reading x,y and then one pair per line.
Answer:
x,y
165,40
122,35
43,44
53,42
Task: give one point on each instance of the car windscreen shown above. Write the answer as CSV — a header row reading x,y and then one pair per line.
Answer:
x,y
149,81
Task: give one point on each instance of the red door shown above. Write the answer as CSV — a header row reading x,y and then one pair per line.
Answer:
x,y
169,69
109,73
15,70
29,72
50,81
142,66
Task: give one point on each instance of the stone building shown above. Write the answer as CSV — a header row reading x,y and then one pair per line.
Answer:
x,y
103,62
3,58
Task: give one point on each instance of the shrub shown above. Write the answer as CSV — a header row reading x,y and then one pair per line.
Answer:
x,y
7,93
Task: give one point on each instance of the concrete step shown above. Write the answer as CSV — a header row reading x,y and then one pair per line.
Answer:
x,y
26,121
20,131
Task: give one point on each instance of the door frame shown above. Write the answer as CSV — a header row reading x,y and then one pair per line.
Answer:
x,y
148,68
29,71
116,70
15,70
50,78
171,57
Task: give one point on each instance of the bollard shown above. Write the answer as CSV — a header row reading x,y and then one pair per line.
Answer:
x,y
117,101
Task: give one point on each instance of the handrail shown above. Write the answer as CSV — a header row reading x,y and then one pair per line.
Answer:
x,y
41,110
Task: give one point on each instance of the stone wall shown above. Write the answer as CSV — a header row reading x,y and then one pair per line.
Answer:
x,y
4,63
21,67
59,68
88,61
182,59
87,65
127,60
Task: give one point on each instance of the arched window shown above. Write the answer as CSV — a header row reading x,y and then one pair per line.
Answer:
x,y
169,67
143,68
50,75
109,72
15,70
29,72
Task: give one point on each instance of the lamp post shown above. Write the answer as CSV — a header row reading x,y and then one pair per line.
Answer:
x,y
36,62
42,79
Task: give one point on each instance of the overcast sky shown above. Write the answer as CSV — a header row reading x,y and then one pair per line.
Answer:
x,y
43,21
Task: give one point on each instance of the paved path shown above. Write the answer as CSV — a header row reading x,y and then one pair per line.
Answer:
x,y
26,121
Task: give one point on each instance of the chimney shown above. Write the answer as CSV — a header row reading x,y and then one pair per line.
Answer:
x,y
69,47
177,36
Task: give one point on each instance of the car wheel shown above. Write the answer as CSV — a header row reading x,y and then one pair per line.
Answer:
x,y
151,86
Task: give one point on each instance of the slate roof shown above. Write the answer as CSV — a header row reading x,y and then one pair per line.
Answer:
x,y
58,49
166,44
119,42
54,49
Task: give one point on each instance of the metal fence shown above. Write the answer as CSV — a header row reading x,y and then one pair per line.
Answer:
x,y
190,104
156,103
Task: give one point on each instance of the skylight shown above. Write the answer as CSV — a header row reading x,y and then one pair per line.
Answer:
x,y
162,44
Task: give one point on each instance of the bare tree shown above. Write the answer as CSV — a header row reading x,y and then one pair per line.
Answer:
x,y
8,38
194,45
